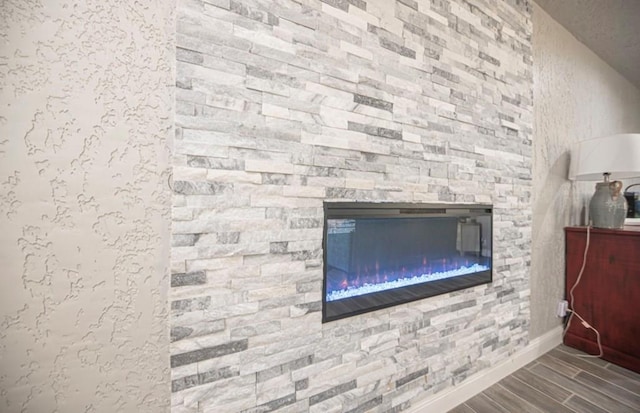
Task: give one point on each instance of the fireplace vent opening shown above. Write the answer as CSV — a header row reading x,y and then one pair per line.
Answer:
x,y
377,255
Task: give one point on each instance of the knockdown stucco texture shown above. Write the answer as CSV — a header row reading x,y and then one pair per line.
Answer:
x,y
281,105
86,118
577,96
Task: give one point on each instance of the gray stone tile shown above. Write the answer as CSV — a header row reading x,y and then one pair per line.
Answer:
x,y
228,237
178,333
273,405
202,378
367,406
184,240
412,376
411,3
191,304
302,384
208,353
375,131
310,307
361,4
489,58
192,278
215,163
446,74
339,4
199,188
394,47
253,13
373,102
278,247
305,223
332,392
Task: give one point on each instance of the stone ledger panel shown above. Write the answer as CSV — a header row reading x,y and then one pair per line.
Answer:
x,y
284,104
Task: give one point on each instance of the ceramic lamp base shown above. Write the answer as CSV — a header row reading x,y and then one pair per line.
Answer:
x,y
608,208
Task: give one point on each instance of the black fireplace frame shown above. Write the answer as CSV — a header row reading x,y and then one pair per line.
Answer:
x,y
348,307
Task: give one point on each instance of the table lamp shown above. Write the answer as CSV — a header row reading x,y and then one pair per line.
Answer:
x,y
607,159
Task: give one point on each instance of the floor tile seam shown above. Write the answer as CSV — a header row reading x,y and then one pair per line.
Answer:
x,y
558,384
611,396
470,408
495,401
608,367
588,358
571,393
628,375
588,401
587,389
581,356
598,367
613,384
525,401
562,362
491,401
545,394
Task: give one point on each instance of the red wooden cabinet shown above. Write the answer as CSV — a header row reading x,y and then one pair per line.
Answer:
x,y
608,295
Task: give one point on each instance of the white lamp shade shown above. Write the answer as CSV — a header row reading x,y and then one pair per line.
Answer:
x,y
618,155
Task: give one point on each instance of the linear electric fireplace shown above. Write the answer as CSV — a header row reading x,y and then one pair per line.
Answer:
x,y
381,254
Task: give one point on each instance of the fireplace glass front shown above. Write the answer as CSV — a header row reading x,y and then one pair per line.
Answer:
x,y
381,254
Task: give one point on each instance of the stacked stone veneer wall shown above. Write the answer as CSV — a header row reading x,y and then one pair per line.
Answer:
x,y
284,104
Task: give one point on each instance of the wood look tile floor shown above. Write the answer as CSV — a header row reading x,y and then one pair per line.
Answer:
x,y
558,382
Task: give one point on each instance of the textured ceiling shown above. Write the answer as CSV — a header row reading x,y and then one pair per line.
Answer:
x,y
610,28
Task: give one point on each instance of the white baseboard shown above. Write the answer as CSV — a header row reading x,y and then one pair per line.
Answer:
x,y
453,396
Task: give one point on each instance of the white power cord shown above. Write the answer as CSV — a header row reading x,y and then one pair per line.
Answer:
x,y
571,300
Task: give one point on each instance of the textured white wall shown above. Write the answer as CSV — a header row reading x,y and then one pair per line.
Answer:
x,y
86,114
576,96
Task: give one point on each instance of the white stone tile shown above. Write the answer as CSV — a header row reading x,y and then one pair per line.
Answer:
x,y
226,102
275,111
256,165
213,263
201,149
282,268
266,85
272,292
185,173
222,175
264,38
328,91
351,19
304,191
274,389
188,70
365,184
356,50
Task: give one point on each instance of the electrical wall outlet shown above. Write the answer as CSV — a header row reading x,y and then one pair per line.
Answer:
x,y
561,311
